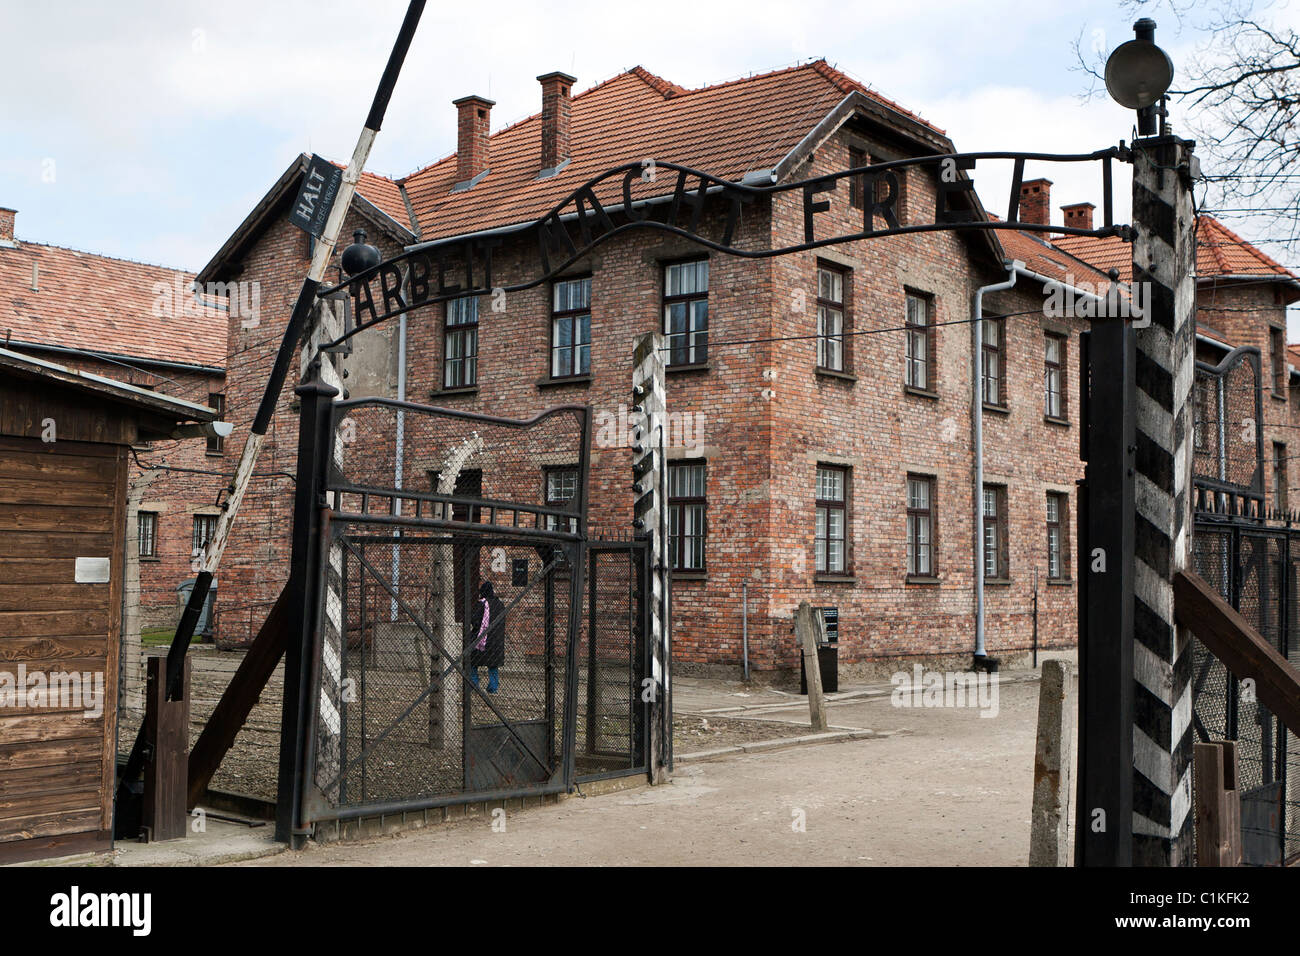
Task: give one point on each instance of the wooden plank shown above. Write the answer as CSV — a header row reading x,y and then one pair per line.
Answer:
x,y
1231,639
49,847
65,447
111,676
39,651
47,727
22,807
805,625
93,623
75,519
54,597
82,666
28,570
50,824
15,544
55,466
238,700
167,729
50,779
1218,804
65,493
45,753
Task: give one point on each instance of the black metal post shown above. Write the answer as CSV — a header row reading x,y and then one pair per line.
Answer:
x,y
1105,569
315,444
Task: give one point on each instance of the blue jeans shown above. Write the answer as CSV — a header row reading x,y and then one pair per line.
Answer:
x,y
494,678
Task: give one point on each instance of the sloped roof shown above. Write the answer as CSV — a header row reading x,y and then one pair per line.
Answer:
x,y
1040,256
1219,252
101,304
727,129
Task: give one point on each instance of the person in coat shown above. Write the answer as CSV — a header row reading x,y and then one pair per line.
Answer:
x,y
488,634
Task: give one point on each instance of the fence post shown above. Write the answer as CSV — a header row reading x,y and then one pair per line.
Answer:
x,y
1163,275
1218,804
1049,821
805,626
315,446
648,412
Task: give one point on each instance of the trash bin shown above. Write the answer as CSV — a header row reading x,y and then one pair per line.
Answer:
x,y
828,660
183,592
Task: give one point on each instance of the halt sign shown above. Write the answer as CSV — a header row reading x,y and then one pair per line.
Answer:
x,y
320,184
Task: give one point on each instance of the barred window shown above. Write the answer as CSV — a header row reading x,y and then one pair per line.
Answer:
x,y
571,328
832,519
830,318
147,532
561,486
686,311
216,400
993,363
995,532
687,515
205,526
918,358
1057,538
920,526
460,343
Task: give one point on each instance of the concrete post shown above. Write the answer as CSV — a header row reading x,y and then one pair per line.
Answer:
x,y
1049,820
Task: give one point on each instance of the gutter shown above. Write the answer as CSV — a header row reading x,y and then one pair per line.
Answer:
x,y
113,356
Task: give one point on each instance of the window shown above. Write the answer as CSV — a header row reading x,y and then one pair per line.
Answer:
x,y
920,526
830,318
217,401
205,526
1054,376
992,363
561,486
832,485
460,344
147,531
686,312
918,357
995,532
686,515
1277,346
1057,540
1279,476
571,328
857,159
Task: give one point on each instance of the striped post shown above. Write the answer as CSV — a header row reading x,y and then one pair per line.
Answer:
x,y
1163,259
649,510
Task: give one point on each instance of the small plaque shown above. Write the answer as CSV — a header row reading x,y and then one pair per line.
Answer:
x,y
91,571
519,573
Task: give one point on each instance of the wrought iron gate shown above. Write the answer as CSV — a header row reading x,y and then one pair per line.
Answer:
x,y
1252,556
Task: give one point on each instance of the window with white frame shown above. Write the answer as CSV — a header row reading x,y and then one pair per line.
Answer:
x,y
460,343
147,532
1054,376
686,311
995,532
832,520
830,318
571,328
687,515
920,526
918,344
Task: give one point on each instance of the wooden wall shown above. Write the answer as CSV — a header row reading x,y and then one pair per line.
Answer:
x,y
59,501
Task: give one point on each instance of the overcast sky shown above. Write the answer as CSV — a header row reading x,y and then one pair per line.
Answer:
x,y
148,130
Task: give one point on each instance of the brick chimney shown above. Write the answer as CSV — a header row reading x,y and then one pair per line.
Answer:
x,y
1036,202
1079,215
473,122
7,217
556,106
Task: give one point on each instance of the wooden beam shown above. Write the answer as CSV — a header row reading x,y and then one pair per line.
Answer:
x,y
806,622
1231,639
238,700
1218,804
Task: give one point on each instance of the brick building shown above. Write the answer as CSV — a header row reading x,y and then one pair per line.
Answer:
x,y
135,323
822,400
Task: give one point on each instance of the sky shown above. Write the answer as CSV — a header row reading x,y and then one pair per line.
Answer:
x,y
149,130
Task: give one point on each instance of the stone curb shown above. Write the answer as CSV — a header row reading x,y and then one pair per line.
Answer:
x,y
784,743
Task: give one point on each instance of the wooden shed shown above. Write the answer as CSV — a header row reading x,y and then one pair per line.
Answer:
x,y
65,448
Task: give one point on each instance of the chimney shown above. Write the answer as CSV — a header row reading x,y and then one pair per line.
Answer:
x,y
7,217
556,106
1036,202
1079,215
473,121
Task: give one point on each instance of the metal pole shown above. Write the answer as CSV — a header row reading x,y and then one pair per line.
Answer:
x,y
744,624
322,253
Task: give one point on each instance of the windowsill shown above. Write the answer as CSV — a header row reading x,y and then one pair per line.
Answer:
x,y
150,560
215,454
824,578
837,374
1060,582
697,367
997,582
691,575
921,579
920,392
581,380
998,409
1280,397
1060,422
452,392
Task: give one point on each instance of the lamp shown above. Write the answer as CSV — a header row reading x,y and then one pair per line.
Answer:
x,y
1138,73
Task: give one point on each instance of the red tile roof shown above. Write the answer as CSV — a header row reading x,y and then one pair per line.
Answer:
x,y
1219,252
727,129
101,304
1041,257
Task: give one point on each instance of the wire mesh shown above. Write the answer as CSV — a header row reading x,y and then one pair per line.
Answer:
x,y
1226,423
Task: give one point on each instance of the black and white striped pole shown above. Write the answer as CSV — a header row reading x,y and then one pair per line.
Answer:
x,y
649,398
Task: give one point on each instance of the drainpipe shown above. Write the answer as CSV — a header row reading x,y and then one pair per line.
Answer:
x,y
977,443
